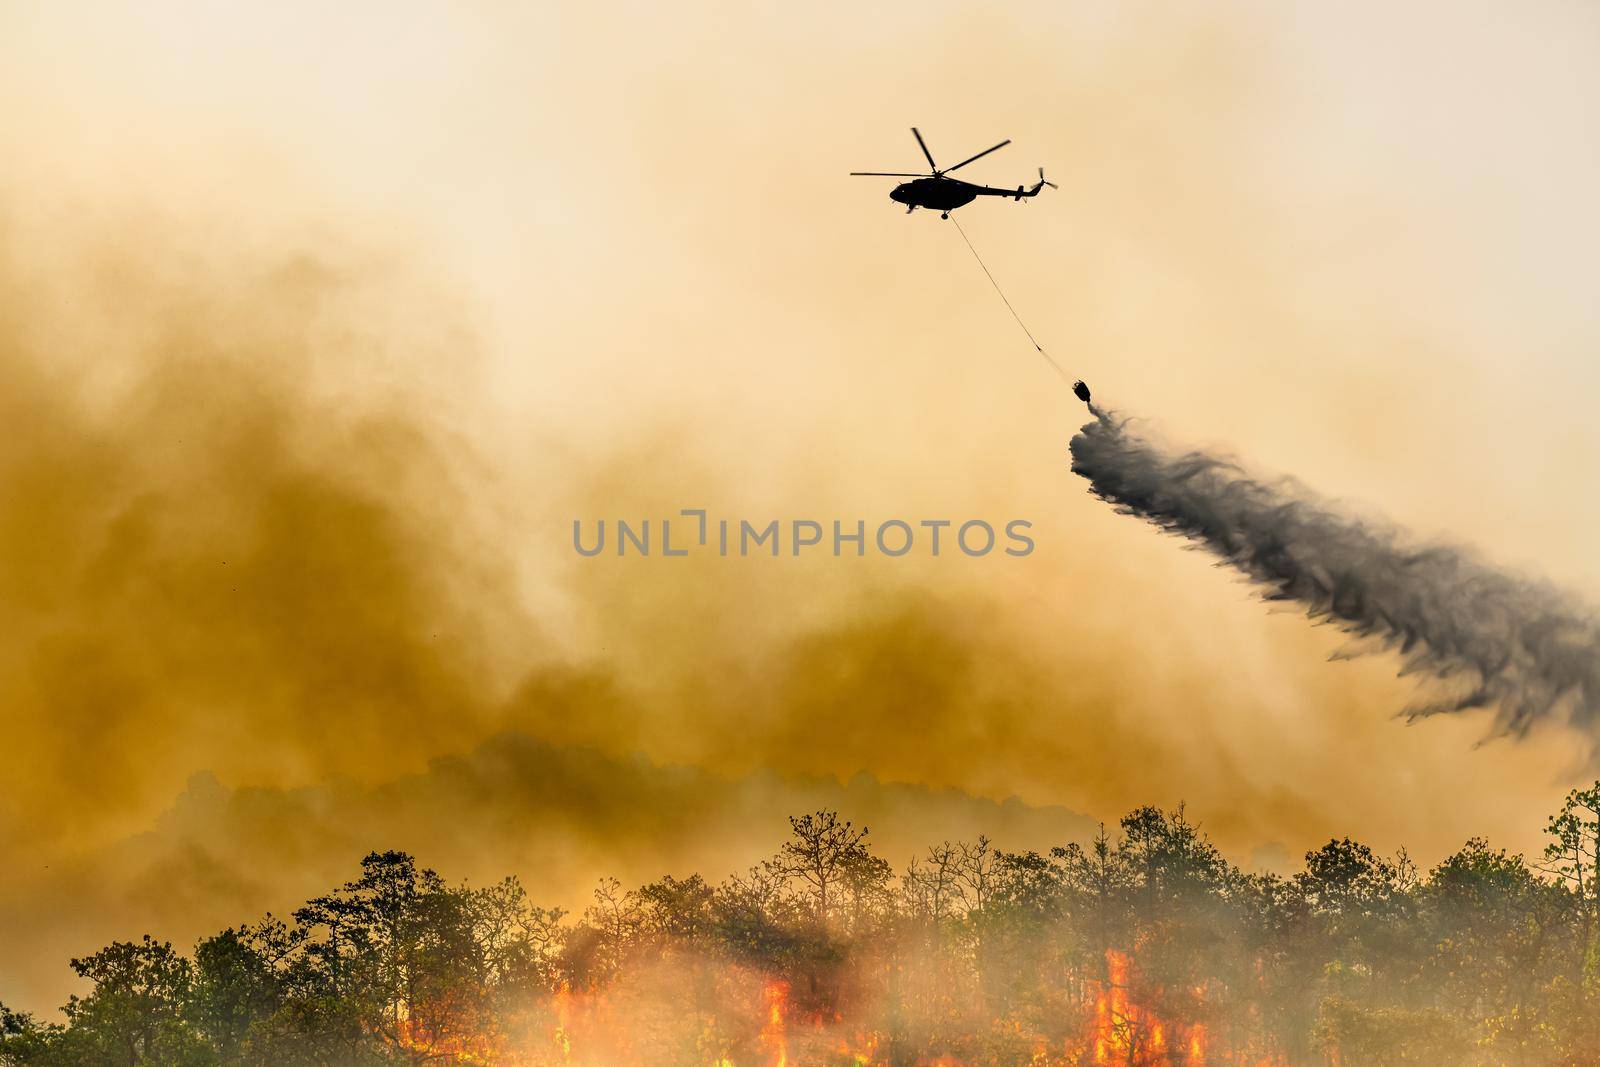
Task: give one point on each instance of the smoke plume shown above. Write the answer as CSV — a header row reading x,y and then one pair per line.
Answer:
x,y
1478,635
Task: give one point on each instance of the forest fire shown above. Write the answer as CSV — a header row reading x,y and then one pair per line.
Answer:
x,y
1147,951
1120,1032
775,994
444,1039
1126,1035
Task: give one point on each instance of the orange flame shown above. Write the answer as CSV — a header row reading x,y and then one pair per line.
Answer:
x,y
460,1044
1126,1034
775,996
759,1027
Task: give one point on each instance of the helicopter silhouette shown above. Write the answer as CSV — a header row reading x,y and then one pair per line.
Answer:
x,y
936,192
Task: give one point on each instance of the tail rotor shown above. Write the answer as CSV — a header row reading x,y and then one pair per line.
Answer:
x,y
1043,181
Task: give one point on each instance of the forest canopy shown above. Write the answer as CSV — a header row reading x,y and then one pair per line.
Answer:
x,y
1146,947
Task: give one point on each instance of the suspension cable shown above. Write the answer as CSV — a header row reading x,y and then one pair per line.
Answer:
x,y
1037,346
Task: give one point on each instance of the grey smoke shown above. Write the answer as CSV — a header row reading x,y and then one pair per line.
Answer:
x,y
1479,636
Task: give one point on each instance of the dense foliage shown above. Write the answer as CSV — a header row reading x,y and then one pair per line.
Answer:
x,y
1146,947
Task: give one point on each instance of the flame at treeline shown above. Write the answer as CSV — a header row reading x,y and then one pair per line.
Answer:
x,y
757,1024
1146,948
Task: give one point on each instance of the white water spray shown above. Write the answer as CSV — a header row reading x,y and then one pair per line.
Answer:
x,y
1480,636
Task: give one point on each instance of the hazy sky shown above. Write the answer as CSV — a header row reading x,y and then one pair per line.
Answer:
x,y
369,303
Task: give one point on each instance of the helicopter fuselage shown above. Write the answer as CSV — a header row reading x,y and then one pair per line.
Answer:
x,y
946,194
935,194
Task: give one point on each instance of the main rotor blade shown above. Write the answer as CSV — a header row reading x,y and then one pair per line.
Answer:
x,y
884,174
980,155
924,146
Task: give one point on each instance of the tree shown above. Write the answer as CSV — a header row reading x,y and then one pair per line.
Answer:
x,y
23,1040
1490,918
865,894
676,910
1573,854
820,850
595,950
931,884
975,873
391,965
519,940
234,996
135,1013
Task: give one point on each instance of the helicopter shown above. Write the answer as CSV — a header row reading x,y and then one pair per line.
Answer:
x,y
936,192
